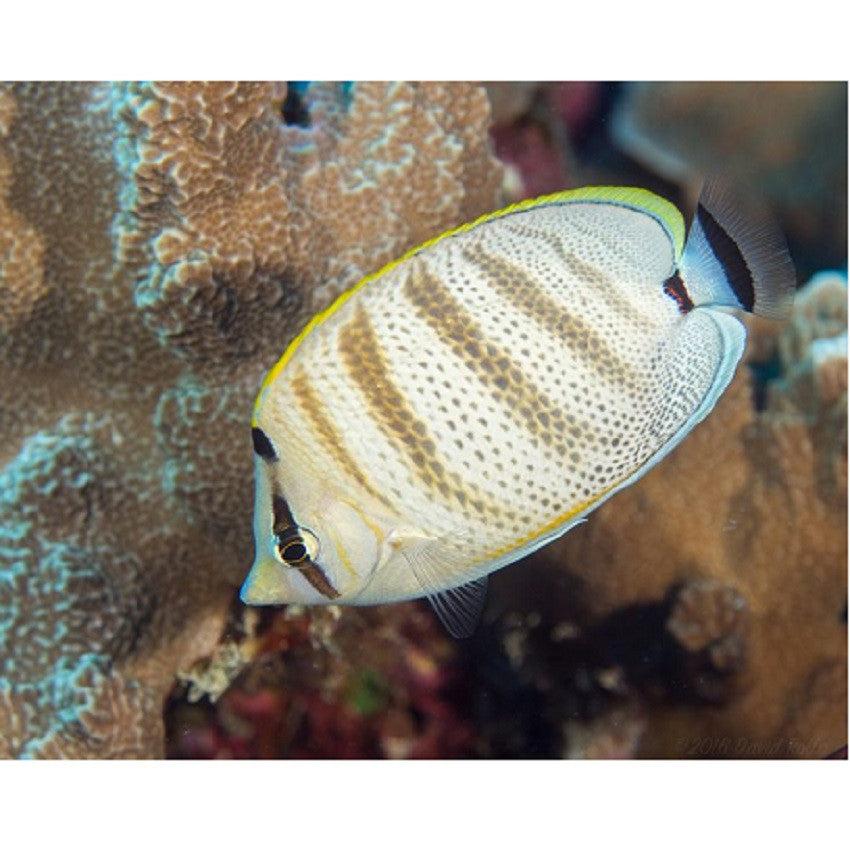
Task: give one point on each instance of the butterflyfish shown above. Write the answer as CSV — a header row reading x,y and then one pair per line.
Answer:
x,y
479,397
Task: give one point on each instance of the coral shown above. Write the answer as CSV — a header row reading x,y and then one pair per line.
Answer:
x,y
708,620
92,621
230,224
716,587
709,617
820,313
159,246
510,101
21,249
612,736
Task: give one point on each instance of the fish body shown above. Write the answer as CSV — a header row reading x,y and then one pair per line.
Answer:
x,y
479,397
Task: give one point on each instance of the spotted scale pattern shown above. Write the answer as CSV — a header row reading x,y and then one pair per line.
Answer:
x,y
494,384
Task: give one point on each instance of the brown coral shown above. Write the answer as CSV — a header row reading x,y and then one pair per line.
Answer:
x,y
159,246
748,513
91,598
21,249
239,217
710,616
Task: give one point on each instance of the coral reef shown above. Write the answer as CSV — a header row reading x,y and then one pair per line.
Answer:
x,y
332,683
159,246
92,621
714,591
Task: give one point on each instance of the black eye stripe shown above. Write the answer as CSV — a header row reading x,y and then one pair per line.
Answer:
x,y
282,515
291,544
262,444
286,530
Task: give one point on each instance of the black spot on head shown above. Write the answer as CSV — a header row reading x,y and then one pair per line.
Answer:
x,y
262,444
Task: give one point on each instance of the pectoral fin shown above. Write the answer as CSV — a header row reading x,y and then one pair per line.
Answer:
x,y
436,565
460,608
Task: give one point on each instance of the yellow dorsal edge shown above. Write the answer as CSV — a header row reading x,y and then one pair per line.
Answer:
x,y
641,200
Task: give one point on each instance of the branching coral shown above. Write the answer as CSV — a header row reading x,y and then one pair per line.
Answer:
x,y
159,246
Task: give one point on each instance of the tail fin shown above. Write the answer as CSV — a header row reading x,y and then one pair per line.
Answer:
x,y
736,256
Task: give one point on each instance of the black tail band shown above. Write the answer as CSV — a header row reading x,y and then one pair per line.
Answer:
x,y
729,256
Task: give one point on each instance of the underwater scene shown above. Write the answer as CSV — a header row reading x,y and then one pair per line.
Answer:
x,y
323,439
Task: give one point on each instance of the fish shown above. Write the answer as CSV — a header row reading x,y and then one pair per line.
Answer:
x,y
477,398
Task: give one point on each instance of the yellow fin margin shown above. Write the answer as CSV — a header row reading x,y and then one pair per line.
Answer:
x,y
641,200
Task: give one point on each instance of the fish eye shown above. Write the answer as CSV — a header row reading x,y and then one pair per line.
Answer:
x,y
293,551
294,546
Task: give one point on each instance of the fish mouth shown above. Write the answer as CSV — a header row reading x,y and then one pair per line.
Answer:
x,y
264,585
260,585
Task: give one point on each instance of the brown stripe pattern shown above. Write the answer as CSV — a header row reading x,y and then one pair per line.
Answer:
x,y
603,284
492,365
367,368
331,439
532,300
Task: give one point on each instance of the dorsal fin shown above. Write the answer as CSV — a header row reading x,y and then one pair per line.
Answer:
x,y
736,256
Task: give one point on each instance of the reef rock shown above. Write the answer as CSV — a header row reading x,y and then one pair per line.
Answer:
x,y
159,247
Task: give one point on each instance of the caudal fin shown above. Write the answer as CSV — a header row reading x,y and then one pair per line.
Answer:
x,y
736,256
